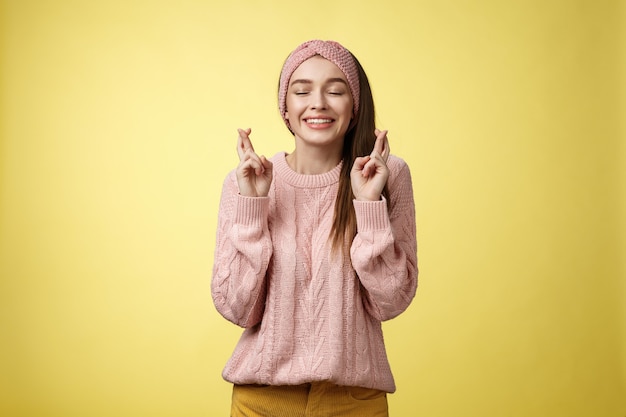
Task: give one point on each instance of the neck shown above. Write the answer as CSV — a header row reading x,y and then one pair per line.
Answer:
x,y
313,161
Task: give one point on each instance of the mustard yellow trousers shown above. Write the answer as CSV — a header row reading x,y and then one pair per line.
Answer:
x,y
316,399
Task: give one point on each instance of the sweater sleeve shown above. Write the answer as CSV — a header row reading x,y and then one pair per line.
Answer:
x,y
384,250
242,254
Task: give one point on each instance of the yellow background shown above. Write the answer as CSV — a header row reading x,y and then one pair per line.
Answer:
x,y
118,124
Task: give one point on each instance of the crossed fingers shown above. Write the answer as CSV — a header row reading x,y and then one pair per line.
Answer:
x,y
246,153
381,146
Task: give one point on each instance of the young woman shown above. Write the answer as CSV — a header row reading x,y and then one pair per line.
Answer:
x,y
315,248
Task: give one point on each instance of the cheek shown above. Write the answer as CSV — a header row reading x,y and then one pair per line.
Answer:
x,y
349,111
291,106
348,108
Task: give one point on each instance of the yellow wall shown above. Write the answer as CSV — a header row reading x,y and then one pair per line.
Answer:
x,y
621,192
118,125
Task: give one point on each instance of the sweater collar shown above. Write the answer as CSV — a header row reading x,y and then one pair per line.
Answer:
x,y
284,171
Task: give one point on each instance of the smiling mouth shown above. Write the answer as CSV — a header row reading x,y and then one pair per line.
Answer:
x,y
318,121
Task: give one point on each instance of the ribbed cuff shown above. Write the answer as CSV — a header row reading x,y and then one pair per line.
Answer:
x,y
252,211
371,215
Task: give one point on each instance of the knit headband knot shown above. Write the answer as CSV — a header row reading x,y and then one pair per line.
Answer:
x,y
329,50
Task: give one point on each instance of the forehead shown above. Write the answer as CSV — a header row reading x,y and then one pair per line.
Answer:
x,y
317,68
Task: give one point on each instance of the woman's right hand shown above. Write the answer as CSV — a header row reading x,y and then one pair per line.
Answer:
x,y
254,173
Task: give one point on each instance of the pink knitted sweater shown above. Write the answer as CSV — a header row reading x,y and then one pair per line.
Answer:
x,y
309,316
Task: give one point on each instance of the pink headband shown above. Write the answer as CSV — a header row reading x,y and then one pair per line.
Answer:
x,y
329,50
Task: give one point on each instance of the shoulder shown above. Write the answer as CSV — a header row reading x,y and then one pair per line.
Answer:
x,y
231,177
396,162
400,186
398,169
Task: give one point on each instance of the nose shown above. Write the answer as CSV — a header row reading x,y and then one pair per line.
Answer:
x,y
318,100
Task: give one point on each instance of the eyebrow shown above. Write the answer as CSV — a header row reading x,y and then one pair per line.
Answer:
x,y
328,81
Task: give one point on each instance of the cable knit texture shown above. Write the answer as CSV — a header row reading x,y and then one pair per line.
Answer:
x,y
309,315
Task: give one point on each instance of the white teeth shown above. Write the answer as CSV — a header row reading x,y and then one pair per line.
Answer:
x,y
319,121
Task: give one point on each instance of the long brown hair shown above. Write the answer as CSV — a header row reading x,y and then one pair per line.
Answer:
x,y
358,141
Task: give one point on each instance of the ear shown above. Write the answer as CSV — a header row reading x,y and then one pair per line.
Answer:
x,y
286,120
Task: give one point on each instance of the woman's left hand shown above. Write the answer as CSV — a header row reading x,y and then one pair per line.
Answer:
x,y
369,173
